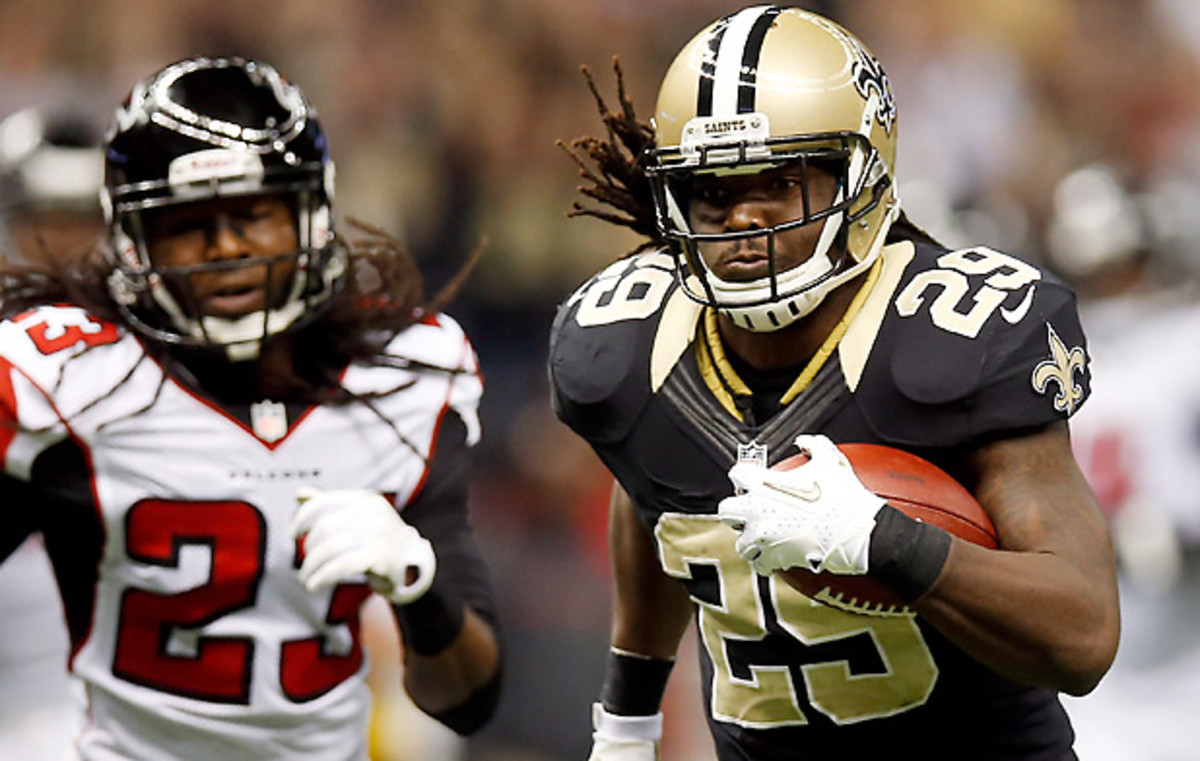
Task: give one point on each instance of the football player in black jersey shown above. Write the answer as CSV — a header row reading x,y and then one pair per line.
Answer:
x,y
232,425
792,305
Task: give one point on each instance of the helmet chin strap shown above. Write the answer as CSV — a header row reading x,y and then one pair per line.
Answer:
x,y
767,318
242,337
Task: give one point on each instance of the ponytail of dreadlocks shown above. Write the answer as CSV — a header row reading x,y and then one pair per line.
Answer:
x,y
613,167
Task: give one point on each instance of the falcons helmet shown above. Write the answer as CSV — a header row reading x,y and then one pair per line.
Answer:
x,y
207,128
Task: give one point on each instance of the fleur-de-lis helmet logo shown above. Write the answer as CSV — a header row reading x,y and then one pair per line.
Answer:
x,y
1060,370
869,77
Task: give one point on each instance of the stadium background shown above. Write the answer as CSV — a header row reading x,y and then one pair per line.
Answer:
x,y
443,117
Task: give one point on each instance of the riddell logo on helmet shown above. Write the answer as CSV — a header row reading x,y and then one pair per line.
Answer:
x,y
215,164
127,251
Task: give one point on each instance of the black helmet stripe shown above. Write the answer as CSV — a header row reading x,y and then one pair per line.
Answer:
x,y
754,43
708,69
729,71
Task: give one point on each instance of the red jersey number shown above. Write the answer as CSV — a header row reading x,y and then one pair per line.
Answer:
x,y
153,648
54,335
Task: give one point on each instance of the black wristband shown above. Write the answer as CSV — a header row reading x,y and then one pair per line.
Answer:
x,y
906,554
433,621
634,684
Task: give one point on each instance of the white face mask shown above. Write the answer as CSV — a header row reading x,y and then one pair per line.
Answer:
x,y
796,291
799,290
770,303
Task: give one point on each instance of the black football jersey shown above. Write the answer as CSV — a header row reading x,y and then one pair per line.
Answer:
x,y
945,350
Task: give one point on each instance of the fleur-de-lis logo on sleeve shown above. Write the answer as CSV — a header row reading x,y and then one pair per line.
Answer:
x,y
1060,370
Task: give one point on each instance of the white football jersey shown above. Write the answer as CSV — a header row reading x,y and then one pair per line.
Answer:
x,y
200,641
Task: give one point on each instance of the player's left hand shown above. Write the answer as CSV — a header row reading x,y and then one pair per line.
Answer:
x,y
352,532
817,516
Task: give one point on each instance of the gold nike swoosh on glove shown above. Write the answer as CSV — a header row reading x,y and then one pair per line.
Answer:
x,y
811,494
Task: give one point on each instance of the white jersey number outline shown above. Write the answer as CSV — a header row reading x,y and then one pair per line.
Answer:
x,y
625,290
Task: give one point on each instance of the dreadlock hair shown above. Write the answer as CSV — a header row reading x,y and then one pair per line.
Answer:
x,y
78,280
614,167
383,294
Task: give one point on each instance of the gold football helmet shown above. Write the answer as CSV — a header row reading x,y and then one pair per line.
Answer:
x,y
762,87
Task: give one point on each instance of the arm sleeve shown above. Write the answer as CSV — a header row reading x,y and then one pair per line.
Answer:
x,y
20,516
439,512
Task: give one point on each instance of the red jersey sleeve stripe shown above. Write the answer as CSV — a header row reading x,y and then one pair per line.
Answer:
x,y
8,409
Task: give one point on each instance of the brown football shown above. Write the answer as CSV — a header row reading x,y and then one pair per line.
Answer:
x,y
912,485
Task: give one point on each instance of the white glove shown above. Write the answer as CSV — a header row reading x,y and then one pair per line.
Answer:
x,y
624,738
352,532
818,516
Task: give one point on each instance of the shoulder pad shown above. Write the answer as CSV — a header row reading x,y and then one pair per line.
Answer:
x,y
41,340
433,354
975,341
39,393
439,341
601,345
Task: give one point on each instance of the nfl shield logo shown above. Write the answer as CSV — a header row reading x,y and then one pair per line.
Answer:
x,y
269,420
753,452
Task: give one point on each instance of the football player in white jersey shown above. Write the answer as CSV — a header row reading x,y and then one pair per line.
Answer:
x,y
51,170
791,306
231,427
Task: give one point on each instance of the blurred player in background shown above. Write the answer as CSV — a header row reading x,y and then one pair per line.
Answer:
x,y
231,426
1104,237
795,302
51,171
1117,236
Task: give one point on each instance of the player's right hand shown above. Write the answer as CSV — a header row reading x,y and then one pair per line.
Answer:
x,y
624,738
817,515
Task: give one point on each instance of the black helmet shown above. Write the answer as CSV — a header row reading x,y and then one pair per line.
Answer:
x,y
206,128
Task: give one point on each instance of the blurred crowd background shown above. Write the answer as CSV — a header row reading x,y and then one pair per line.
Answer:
x,y
1064,131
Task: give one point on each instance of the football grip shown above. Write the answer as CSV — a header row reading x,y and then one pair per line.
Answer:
x,y
917,488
